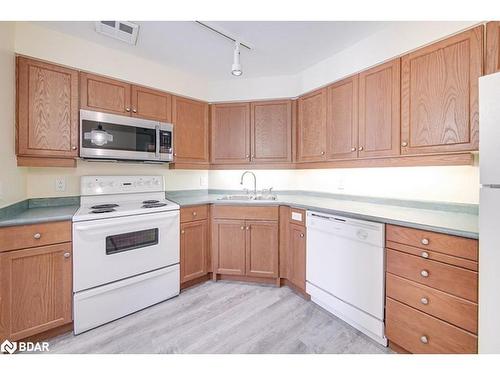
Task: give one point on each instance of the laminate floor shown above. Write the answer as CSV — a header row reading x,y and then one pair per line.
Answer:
x,y
224,317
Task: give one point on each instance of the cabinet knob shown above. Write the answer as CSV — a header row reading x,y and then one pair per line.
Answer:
x,y
425,241
242,227
66,255
248,228
353,149
247,155
194,213
424,273
127,109
37,236
74,147
175,153
322,152
252,156
134,110
302,235
424,339
425,254
182,231
404,143
361,148
424,301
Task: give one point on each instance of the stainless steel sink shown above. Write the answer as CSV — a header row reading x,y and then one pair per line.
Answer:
x,y
248,197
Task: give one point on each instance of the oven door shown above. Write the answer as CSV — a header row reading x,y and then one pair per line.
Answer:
x,y
107,136
108,250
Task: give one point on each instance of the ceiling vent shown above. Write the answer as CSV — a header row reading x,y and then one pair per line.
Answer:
x,y
122,30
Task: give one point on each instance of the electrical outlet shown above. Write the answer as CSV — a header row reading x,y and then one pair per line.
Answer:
x,y
340,184
60,184
203,181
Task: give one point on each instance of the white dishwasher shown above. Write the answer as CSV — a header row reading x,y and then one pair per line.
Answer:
x,y
345,270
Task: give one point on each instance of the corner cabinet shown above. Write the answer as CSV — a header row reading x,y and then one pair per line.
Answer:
x,y
492,47
47,114
439,102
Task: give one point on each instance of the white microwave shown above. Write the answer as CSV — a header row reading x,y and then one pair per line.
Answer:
x,y
112,137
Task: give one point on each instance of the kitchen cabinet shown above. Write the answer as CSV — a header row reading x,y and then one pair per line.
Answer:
x,y
379,111
439,100
492,47
342,119
262,236
104,94
312,117
230,128
271,131
191,129
47,114
151,104
35,282
297,256
228,245
194,250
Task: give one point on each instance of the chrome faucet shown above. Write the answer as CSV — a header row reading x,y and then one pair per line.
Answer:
x,y
254,181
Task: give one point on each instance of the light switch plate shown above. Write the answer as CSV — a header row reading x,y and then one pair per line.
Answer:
x,y
296,216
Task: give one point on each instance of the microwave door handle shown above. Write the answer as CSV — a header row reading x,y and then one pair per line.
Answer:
x,y
157,153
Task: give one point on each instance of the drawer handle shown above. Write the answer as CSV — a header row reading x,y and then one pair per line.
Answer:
x,y
425,241
37,236
424,273
194,213
424,339
66,255
425,254
424,301
302,235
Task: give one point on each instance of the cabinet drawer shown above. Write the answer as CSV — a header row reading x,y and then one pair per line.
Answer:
x,y
297,216
457,281
454,310
245,212
421,333
443,243
23,236
194,213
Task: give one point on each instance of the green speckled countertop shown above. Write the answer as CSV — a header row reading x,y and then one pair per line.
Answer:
x,y
449,218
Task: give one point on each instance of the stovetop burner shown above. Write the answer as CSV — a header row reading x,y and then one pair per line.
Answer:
x,y
153,205
102,210
104,206
150,201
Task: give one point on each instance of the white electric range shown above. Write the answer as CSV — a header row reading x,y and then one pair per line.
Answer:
x,y
125,248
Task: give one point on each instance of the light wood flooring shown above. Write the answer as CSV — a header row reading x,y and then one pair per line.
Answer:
x,y
224,317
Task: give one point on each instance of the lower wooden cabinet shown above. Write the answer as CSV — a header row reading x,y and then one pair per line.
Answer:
x,y
35,290
262,248
297,255
194,250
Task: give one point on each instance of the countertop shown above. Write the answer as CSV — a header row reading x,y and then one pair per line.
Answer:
x,y
448,218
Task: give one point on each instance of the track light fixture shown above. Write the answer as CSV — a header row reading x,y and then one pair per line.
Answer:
x,y
236,67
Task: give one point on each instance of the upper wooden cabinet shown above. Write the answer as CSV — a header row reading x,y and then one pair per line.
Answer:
x,y
190,119
379,110
439,103
151,104
492,47
230,125
312,126
271,131
342,119
104,94
47,110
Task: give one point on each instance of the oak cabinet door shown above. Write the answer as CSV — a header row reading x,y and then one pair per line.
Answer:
x,y
439,102
230,133
312,126
262,248
342,119
297,255
190,119
194,249
103,94
379,110
271,131
47,109
35,290
228,244
492,47
151,104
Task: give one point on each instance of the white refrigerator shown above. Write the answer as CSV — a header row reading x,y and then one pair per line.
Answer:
x,y
489,214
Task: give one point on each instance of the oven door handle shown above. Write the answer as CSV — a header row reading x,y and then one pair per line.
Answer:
x,y
99,226
157,152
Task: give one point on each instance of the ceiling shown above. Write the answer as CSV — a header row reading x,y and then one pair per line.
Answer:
x,y
278,47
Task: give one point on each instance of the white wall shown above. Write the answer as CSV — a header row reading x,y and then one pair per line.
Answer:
x,y
12,179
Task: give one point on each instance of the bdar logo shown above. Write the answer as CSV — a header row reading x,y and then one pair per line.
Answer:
x,y
8,347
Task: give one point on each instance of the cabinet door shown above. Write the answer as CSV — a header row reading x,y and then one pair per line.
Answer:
x,y
342,119
194,245
190,118
151,104
379,110
231,133
312,126
47,109
104,94
492,47
271,131
35,290
228,245
262,248
439,100
297,255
